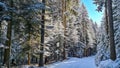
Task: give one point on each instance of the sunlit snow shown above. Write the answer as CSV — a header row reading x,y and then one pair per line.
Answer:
x,y
87,62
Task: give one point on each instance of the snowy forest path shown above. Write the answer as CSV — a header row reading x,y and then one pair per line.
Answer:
x,y
87,62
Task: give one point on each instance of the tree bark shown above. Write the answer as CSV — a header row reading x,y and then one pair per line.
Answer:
x,y
9,41
41,60
64,24
106,18
28,58
111,31
29,31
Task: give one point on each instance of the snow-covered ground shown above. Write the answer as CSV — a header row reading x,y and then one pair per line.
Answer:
x,y
87,62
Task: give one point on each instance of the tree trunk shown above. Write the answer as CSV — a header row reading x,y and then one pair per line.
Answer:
x,y
29,31
28,58
41,61
111,31
8,43
0,31
106,18
64,24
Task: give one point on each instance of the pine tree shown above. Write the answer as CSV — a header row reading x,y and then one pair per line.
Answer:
x,y
116,20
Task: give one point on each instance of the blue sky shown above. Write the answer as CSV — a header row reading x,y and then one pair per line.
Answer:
x,y
93,14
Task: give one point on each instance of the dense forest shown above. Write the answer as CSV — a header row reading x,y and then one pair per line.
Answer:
x,y
42,32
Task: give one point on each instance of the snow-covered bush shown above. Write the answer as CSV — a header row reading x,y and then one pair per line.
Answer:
x,y
110,64
103,52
